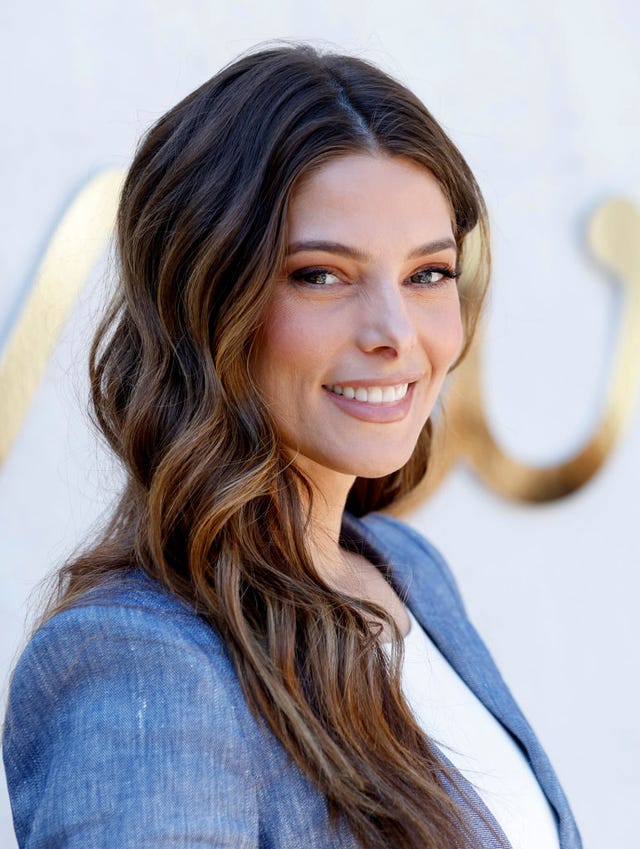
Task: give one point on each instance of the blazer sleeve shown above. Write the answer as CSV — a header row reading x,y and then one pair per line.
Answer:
x,y
123,731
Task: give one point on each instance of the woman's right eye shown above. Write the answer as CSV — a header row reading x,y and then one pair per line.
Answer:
x,y
315,277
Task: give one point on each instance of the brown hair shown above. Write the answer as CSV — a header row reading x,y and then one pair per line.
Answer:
x,y
211,507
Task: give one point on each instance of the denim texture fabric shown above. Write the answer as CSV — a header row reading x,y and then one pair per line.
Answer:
x,y
127,726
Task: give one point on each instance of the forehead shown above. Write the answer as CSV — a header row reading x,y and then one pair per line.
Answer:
x,y
368,194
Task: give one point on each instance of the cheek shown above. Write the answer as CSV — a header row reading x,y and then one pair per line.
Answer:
x,y
291,340
292,335
455,335
444,335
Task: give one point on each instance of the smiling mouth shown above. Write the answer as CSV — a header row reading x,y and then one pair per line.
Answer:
x,y
370,394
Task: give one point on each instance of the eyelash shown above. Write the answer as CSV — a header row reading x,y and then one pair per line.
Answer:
x,y
303,275
447,272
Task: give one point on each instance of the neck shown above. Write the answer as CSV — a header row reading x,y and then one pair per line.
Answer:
x,y
346,572
330,491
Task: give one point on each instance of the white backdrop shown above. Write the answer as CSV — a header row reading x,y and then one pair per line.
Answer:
x,y
543,101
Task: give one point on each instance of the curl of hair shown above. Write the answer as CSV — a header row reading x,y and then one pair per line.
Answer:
x,y
212,509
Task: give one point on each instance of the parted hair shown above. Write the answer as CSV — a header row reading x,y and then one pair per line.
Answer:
x,y
212,507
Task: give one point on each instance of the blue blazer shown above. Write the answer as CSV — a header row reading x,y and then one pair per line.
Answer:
x,y
127,726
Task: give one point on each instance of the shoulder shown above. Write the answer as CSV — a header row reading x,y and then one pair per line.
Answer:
x,y
121,627
131,635
129,695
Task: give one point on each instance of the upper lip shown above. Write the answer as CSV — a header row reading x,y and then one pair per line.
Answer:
x,y
392,380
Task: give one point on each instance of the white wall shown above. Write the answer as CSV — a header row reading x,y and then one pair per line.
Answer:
x,y
543,101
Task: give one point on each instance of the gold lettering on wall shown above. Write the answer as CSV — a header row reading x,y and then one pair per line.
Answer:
x,y
80,239
614,239
77,243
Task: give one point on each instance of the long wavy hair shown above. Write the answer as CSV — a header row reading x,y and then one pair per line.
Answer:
x,y
212,507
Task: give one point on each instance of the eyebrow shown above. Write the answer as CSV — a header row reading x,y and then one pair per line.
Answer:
x,y
354,253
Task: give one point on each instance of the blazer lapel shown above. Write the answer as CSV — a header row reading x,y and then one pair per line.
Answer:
x,y
425,584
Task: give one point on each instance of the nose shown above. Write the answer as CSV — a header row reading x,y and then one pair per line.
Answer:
x,y
384,321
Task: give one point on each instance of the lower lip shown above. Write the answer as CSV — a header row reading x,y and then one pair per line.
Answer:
x,y
380,413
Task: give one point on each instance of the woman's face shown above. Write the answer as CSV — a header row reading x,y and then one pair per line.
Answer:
x,y
364,320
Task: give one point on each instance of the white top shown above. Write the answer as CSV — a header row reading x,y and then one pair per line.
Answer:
x,y
476,743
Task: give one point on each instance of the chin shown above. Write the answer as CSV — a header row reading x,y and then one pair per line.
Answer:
x,y
362,461
379,468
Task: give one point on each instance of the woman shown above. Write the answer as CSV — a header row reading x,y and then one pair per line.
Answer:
x,y
223,667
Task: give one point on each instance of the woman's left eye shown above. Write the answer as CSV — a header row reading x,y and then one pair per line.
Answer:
x,y
315,276
432,276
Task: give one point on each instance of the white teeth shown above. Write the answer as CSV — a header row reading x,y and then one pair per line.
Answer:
x,y
401,390
371,394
